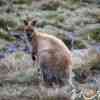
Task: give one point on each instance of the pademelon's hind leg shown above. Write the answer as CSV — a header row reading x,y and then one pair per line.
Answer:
x,y
46,75
51,77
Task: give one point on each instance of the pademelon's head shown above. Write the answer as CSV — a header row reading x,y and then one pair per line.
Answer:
x,y
29,25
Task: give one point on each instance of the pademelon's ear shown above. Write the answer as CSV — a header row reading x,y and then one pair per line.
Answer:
x,y
25,22
34,22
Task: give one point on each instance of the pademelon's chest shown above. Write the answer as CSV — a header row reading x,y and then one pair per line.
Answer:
x,y
45,43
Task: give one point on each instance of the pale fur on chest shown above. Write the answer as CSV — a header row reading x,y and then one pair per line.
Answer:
x,y
46,41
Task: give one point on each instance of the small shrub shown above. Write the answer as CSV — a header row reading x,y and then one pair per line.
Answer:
x,y
2,49
77,44
22,1
71,4
2,2
6,23
7,37
52,5
95,35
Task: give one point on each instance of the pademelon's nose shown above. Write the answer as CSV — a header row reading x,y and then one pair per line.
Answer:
x,y
28,29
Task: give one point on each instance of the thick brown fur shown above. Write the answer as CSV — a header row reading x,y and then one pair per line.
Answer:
x,y
52,54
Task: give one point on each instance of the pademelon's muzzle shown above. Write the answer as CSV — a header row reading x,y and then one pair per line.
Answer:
x,y
29,30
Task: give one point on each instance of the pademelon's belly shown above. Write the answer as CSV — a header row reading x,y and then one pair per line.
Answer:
x,y
53,59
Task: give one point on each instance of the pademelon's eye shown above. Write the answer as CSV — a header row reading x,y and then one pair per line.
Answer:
x,y
25,22
34,22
